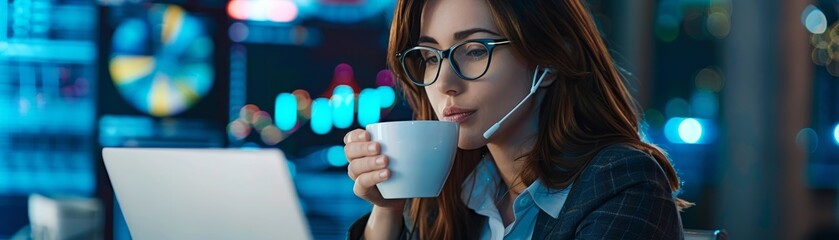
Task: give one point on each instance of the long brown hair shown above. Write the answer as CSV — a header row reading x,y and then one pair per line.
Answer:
x,y
586,109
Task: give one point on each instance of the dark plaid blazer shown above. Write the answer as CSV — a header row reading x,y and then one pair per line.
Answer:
x,y
622,194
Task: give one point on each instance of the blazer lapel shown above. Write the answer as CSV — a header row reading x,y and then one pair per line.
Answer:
x,y
545,225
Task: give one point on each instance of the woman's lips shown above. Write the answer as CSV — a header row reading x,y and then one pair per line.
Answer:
x,y
458,117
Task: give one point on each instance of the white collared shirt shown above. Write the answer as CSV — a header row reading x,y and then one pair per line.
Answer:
x,y
480,191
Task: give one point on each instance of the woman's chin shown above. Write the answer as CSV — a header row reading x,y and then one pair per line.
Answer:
x,y
471,143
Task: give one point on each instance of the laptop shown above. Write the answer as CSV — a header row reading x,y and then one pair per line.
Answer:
x,y
205,193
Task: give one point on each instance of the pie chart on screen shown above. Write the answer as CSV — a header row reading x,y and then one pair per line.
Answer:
x,y
162,63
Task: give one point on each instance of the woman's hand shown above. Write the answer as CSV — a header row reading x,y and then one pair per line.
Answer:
x,y
367,168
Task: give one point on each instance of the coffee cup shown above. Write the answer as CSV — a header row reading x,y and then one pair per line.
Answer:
x,y
420,154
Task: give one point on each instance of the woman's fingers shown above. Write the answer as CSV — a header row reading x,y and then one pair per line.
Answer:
x,y
357,135
357,144
355,150
367,167
366,164
365,184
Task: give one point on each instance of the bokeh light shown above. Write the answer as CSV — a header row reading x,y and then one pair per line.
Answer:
x,y
690,131
719,18
709,79
246,113
654,118
685,130
261,120
343,74
827,42
271,135
814,20
263,10
826,49
807,140
820,56
257,10
671,130
321,116
667,28
238,129
836,134
238,32
304,103
387,96
832,33
343,106
704,104
677,107
282,11
285,113
384,78
238,9
694,18
719,24
819,40
296,108
336,157
369,109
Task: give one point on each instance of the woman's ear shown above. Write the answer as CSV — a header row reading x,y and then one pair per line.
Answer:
x,y
550,77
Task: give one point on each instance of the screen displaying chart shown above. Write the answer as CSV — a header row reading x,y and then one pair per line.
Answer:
x,y
161,63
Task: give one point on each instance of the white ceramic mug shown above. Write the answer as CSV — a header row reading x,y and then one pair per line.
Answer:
x,y
420,156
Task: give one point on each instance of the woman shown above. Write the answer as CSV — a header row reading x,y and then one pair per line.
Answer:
x,y
566,162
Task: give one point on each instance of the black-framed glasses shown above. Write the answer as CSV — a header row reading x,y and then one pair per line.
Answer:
x,y
469,59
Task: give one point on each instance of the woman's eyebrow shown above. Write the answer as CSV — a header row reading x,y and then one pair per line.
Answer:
x,y
426,39
458,36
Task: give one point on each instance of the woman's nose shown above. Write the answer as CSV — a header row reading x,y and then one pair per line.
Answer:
x,y
448,82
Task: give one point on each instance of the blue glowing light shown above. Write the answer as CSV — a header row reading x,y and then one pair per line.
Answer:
x,y
285,111
335,156
369,108
836,134
321,116
704,104
685,130
343,106
671,130
387,96
690,131
344,11
814,20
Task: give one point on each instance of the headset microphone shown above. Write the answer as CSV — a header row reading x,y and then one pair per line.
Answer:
x,y
535,85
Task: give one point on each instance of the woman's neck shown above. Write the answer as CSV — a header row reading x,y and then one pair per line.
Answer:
x,y
508,147
505,157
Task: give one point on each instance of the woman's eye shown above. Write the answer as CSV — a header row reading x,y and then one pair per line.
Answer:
x,y
476,53
432,60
